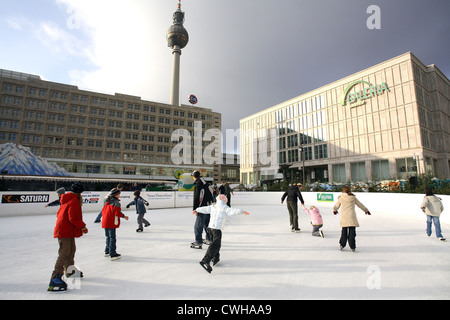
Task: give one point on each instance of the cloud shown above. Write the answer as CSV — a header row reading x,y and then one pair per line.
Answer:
x,y
119,38
17,23
57,39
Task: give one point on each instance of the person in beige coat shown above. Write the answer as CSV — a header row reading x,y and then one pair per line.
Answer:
x,y
349,222
432,206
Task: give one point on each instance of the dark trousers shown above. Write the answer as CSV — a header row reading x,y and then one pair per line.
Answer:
x,y
141,220
348,234
66,256
201,223
212,254
293,213
110,241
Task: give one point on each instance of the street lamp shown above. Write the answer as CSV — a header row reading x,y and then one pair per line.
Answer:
x,y
302,148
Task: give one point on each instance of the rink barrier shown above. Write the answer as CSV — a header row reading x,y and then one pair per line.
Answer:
x,y
33,203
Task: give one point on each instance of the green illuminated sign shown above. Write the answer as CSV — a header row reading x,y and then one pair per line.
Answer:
x,y
357,98
325,197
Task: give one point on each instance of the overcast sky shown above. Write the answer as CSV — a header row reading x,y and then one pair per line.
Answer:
x,y
244,56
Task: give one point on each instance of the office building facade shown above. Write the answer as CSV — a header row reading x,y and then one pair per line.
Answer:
x,y
389,121
93,134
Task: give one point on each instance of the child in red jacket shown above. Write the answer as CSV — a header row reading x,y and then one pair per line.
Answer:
x,y
111,215
69,225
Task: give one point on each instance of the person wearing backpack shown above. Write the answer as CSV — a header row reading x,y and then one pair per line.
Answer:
x,y
202,198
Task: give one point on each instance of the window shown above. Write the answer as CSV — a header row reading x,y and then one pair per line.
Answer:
x,y
380,170
321,152
339,173
358,171
406,167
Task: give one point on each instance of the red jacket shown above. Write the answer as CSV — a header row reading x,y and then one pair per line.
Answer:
x,y
69,221
111,214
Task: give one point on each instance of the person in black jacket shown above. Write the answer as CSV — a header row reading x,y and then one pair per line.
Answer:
x,y
200,200
293,194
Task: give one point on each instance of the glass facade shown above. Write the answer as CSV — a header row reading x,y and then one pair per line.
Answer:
x,y
386,122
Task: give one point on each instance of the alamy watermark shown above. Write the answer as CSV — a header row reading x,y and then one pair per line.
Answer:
x,y
74,21
74,281
206,148
374,20
374,280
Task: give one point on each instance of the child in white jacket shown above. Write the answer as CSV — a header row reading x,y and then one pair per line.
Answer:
x,y
218,211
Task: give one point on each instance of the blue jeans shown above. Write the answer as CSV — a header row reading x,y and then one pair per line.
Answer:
x,y
110,241
99,217
201,223
437,226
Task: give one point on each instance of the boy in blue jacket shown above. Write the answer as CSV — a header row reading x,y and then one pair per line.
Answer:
x,y
140,204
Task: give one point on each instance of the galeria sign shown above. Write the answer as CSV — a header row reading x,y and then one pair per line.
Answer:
x,y
357,98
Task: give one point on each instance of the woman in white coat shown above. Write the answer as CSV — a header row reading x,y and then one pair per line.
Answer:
x,y
218,211
349,222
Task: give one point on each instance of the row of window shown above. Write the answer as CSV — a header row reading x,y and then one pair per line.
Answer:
x,y
380,170
306,153
93,111
299,109
32,103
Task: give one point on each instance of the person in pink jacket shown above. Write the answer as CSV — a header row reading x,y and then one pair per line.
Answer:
x,y
316,220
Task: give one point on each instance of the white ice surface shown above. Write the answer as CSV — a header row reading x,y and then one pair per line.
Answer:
x,y
260,259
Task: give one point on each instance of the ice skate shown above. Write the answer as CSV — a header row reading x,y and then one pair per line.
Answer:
x,y
442,239
195,245
206,266
321,234
116,256
139,230
207,242
57,285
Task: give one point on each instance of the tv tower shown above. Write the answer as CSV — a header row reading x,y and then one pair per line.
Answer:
x,y
177,39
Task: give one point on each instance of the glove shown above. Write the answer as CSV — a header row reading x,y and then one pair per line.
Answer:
x,y
84,230
368,213
335,212
128,206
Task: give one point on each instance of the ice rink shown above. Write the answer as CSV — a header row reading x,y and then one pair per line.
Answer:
x,y
260,259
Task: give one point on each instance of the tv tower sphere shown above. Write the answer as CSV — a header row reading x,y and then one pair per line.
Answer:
x,y
177,36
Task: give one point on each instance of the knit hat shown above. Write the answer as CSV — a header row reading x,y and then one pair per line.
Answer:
x,y
61,191
114,192
77,188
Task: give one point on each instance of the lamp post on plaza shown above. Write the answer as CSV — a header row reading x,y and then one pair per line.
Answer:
x,y
302,149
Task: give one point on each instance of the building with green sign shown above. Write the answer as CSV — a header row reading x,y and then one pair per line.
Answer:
x,y
389,121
